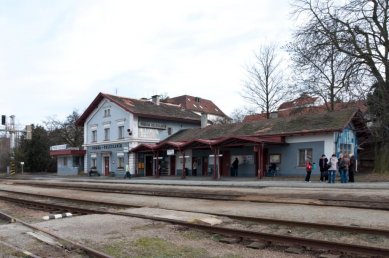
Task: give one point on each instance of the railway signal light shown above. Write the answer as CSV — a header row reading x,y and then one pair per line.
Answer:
x,y
3,119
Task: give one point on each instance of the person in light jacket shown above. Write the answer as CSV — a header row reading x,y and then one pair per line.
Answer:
x,y
333,163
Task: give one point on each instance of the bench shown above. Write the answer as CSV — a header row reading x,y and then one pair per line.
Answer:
x,y
93,173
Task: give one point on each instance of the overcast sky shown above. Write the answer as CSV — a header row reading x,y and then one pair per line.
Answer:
x,y
57,55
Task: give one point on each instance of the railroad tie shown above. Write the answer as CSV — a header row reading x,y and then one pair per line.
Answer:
x,y
58,216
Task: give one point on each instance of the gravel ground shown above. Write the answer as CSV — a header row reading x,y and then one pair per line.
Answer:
x,y
131,237
333,215
125,237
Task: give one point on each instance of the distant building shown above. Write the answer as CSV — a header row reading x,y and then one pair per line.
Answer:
x,y
199,106
305,104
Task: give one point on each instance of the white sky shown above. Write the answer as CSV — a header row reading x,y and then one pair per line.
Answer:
x,y
57,55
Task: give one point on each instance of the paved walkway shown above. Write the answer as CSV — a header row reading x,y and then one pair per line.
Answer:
x,y
223,182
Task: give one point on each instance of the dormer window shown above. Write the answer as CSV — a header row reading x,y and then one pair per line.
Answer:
x,y
197,99
107,112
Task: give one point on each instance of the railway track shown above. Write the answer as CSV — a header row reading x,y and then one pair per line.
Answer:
x,y
183,193
69,247
244,234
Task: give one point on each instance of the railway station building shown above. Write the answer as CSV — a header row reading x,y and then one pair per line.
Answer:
x,y
113,125
284,142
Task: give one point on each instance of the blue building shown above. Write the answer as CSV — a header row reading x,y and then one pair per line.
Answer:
x,y
70,160
286,142
113,125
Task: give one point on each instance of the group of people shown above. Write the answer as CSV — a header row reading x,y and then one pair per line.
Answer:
x,y
345,164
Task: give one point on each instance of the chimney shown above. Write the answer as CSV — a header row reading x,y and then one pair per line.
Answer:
x,y
204,120
155,99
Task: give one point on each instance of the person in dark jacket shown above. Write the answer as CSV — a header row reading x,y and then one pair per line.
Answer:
x,y
323,165
351,168
235,166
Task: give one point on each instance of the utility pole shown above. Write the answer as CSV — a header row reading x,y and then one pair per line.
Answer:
x,y
13,133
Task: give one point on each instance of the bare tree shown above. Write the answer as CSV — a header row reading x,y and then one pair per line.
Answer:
x,y
327,73
264,85
358,29
65,131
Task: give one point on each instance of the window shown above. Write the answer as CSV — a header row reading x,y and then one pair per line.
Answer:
x,y
76,161
345,148
106,134
275,158
65,161
93,163
121,132
107,112
94,136
169,131
121,162
304,154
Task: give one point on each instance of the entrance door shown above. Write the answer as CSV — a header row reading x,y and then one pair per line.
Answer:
x,y
225,164
149,166
173,165
106,166
205,166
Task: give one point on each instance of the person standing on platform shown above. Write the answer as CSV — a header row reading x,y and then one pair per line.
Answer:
x,y
323,168
308,168
235,166
194,168
332,169
128,174
351,168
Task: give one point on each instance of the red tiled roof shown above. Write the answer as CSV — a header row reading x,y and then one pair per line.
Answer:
x,y
67,152
196,104
294,125
143,108
302,101
254,117
361,105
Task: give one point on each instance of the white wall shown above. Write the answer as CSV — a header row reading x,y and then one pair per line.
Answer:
x,y
328,138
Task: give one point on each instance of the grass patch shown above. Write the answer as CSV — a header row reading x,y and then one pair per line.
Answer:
x,y
216,237
115,249
194,235
150,226
231,256
153,247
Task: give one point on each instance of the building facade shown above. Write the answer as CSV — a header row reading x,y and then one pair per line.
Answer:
x,y
285,142
70,160
113,125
